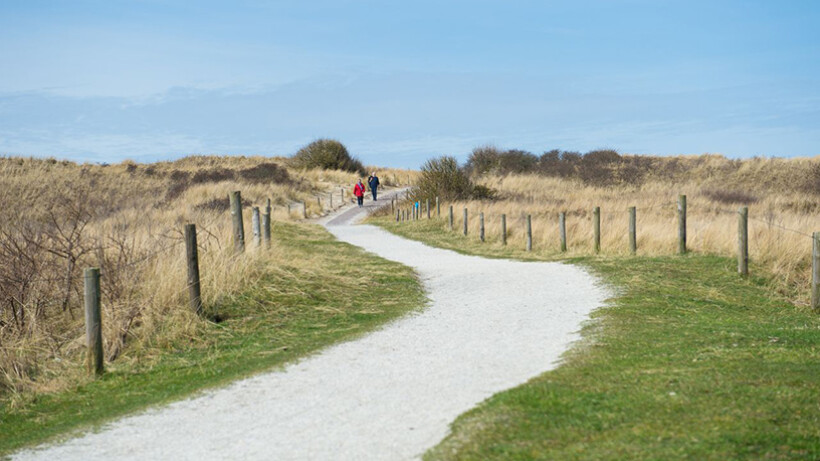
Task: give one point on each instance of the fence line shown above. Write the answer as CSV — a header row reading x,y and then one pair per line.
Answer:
x,y
742,249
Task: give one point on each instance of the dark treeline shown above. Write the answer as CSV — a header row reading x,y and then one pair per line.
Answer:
x,y
606,167
601,167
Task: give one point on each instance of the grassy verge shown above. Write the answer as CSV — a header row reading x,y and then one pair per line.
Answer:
x,y
688,362
328,291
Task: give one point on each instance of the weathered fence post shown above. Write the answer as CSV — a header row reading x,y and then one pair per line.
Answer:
x,y
503,229
319,202
596,225
529,233
93,321
633,235
342,196
330,200
397,215
465,221
257,226
192,257
392,204
438,207
481,226
238,226
682,224
304,210
451,217
266,225
743,241
428,208
562,230
815,272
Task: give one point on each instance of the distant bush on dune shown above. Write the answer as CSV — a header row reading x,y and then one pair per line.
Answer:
x,y
608,168
327,154
443,178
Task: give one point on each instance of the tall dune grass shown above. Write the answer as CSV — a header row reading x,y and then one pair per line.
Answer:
x,y
57,217
783,213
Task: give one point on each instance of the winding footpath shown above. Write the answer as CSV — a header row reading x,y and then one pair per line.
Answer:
x,y
490,325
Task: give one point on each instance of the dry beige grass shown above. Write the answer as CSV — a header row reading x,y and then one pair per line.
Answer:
x,y
782,214
58,217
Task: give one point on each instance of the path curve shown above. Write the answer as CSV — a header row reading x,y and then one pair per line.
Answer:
x,y
491,325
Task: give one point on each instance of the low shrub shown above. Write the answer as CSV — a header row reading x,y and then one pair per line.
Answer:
x,y
730,196
266,173
443,178
213,175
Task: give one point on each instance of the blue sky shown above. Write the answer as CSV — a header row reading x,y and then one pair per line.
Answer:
x,y
399,82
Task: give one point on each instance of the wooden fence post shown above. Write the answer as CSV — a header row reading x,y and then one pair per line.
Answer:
x,y
682,224
397,215
392,204
562,229
438,207
503,229
596,225
342,196
529,233
319,202
815,272
465,221
451,217
238,226
633,235
266,225
330,200
743,241
93,321
257,226
304,209
428,208
481,226
192,257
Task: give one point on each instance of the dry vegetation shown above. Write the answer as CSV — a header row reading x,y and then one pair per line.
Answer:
x,y
783,196
58,217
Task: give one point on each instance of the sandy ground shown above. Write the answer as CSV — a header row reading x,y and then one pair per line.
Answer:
x,y
490,325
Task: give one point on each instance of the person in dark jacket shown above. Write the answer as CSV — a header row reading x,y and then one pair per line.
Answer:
x,y
358,191
373,182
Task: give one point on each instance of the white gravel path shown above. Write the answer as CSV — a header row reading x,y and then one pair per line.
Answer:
x,y
491,325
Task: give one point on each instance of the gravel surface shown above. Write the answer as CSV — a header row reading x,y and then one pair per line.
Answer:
x,y
490,325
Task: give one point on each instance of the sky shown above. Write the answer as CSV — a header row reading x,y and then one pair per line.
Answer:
x,y
399,82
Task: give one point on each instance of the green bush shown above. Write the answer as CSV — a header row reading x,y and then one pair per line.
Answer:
x,y
328,154
482,160
441,177
489,159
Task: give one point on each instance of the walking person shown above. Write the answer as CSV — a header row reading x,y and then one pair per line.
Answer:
x,y
373,182
358,191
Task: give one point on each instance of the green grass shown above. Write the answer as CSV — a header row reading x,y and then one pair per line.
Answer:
x,y
332,292
688,361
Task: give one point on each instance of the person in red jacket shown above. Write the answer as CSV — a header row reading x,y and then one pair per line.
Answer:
x,y
358,191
